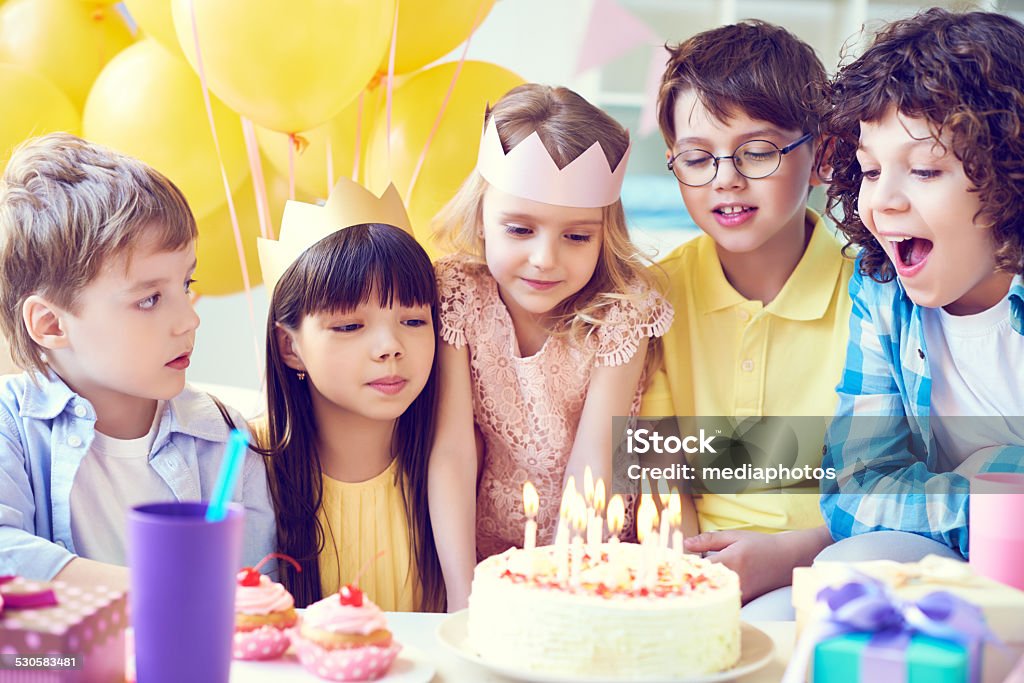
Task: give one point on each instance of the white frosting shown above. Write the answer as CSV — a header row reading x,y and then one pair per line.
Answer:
x,y
689,623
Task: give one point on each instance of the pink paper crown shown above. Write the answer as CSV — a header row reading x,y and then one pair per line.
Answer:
x,y
529,171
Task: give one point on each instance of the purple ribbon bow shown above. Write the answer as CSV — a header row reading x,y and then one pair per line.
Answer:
x,y
865,605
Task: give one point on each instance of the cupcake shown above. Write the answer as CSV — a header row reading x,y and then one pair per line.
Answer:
x,y
264,615
345,637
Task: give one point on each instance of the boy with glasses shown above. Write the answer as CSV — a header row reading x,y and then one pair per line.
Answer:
x,y
761,298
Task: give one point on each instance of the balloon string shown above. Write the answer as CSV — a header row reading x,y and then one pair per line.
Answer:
x,y
359,138
259,185
444,104
293,142
391,83
227,187
330,161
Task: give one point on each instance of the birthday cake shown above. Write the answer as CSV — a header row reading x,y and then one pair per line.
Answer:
x,y
623,611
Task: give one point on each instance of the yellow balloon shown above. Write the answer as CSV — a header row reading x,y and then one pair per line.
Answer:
x,y
38,107
452,153
149,104
310,159
66,41
218,268
155,20
430,29
288,65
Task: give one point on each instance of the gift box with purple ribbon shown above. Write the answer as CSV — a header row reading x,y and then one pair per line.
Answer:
x,y
1002,606
56,632
863,633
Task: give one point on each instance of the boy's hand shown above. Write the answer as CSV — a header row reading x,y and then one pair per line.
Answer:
x,y
763,561
760,559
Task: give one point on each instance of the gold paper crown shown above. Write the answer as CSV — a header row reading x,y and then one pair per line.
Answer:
x,y
303,225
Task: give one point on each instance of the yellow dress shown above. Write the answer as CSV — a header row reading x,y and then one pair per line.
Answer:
x,y
359,520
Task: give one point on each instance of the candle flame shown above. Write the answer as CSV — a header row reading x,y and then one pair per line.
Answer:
x,y
675,505
663,493
588,485
646,517
579,514
599,496
616,515
531,501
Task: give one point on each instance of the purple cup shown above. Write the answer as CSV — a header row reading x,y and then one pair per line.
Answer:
x,y
996,541
183,591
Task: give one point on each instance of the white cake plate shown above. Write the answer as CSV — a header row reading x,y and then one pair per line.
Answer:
x,y
756,649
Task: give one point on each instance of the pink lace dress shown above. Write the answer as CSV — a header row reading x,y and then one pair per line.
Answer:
x,y
528,409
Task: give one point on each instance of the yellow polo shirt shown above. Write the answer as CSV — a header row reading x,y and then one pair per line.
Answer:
x,y
728,356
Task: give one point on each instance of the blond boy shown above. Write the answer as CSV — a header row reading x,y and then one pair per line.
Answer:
x,y
97,252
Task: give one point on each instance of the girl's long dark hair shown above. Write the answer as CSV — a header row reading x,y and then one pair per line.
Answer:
x,y
338,274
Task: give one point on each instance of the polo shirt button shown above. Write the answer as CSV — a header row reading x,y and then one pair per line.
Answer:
x,y
747,365
74,441
80,411
744,315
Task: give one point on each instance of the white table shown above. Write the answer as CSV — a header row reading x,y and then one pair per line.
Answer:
x,y
418,631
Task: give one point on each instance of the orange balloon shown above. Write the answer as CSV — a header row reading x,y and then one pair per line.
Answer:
x,y
66,41
430,29
453,151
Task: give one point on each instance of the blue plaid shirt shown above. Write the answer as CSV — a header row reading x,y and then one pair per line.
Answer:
x,y
880,443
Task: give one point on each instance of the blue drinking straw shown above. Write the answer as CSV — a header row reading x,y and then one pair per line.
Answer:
x,y
227,478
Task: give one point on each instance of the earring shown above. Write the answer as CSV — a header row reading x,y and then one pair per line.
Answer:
x,y
301,376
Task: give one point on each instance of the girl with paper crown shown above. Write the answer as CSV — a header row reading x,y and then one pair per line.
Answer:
x,y
351,396
546,311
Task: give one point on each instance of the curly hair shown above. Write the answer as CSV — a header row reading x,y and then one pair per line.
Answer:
x,y
960,72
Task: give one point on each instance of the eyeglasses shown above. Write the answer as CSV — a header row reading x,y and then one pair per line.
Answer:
x,y
753,159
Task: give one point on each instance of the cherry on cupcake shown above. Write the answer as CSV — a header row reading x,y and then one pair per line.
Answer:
x,y
250,576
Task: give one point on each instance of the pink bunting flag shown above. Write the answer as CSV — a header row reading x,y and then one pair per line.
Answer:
x,y
611,32
652,84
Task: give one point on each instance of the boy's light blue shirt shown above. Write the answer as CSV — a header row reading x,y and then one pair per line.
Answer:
x,y
45,432
880,442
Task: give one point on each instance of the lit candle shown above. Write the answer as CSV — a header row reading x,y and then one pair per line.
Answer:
x,y
588,497
616,520
675,511
595,525
562,536
568,495
647,534
666,520
579,526
530,504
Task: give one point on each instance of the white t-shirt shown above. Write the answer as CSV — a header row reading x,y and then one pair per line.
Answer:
x,y
113,477
976,363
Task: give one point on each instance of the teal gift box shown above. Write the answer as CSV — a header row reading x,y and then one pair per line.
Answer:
x,y
851,659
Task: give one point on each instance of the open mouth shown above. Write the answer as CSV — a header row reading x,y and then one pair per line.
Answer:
x,y
911,251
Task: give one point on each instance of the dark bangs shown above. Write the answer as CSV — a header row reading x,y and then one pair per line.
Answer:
x,y
345,269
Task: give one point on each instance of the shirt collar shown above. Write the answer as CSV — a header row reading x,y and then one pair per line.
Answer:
x,y
1017,304
191,412
803,297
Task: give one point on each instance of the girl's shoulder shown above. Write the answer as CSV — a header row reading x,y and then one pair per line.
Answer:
x,y
457,272
637,313
464,288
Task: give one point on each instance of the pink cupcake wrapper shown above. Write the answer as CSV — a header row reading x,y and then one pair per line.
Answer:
x,y
266,642
353,664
